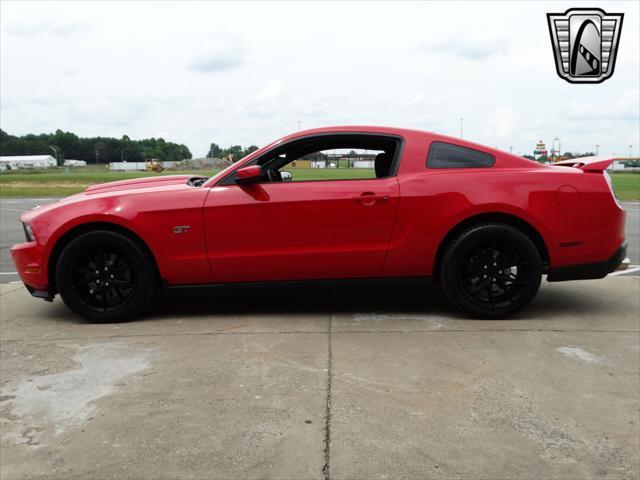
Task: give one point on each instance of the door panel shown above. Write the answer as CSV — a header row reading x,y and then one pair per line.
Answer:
x,y
299,230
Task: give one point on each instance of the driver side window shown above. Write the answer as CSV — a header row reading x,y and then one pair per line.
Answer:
x,y
339,157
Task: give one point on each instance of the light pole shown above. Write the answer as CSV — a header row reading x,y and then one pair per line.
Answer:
x,y
630,147
553,147
55,152
597,147
510,148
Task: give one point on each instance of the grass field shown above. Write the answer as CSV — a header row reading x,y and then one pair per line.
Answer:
x,y
626,186
57,182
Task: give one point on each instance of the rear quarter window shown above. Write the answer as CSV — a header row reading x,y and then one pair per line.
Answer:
x,y
447,155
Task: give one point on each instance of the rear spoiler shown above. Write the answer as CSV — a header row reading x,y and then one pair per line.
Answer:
x,y
588,164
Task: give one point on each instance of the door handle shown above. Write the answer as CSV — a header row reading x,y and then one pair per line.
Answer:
x,y
369,198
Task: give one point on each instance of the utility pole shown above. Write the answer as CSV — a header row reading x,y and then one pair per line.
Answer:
x,y
555,152
630,147
597,147
510,148
97,157
461,120
55,152
298,125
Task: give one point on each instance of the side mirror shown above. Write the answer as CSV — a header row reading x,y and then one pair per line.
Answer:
x,y
286,176
249,174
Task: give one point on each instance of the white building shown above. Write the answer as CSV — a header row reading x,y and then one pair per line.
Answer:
x,y
364,164
128,166
27,161
74,163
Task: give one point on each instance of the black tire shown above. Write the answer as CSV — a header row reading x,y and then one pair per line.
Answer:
x,y
490,271
104,276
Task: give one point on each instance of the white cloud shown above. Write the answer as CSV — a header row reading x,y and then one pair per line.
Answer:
x,y
270,92
624,107
60,28
502,123
468,47
210,71
219,56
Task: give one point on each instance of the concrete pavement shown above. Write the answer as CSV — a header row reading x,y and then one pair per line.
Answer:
x,y
324,384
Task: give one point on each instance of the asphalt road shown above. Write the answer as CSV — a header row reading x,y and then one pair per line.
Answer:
x,y
11,232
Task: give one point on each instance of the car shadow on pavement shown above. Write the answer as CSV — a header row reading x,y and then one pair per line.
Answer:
x,y
207,303
296,299
423,299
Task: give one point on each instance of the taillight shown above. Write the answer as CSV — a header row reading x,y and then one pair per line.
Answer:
x,y
607,177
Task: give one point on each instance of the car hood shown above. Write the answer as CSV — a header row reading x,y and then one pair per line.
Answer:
x,y
112,189
137,183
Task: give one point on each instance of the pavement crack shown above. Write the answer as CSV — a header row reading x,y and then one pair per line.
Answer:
x,y
326,469
304,332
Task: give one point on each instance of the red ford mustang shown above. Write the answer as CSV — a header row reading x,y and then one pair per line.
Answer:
x,y
483,223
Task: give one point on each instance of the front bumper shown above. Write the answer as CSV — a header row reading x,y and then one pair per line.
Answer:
x,y
588,271
30,265
43,294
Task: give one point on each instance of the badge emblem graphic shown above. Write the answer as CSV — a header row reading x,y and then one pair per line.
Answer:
x,y
585,43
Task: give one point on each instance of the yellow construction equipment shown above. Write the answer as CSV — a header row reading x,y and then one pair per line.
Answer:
x,y
154,166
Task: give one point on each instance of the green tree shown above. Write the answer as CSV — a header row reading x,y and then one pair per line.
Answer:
x,y
69,145
234,152
214,151
250,149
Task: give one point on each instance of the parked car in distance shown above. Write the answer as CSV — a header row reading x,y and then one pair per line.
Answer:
x,y
484,224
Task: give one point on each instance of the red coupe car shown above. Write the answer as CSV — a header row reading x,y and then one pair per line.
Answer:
x,y
392,203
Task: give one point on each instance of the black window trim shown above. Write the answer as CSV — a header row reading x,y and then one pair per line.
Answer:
x,y
229,179
435,167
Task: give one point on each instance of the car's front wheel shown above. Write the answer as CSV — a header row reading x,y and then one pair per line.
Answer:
x,y
105,276
491,271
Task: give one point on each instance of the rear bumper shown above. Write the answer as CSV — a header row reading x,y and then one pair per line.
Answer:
x,y
589,270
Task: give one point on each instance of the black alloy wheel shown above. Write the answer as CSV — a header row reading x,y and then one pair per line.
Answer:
x,y
105,276
491,271
104,279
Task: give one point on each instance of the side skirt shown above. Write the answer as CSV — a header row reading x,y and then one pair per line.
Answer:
x,y
392,283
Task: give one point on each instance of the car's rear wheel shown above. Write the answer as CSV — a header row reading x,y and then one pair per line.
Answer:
x,y
491,271
104,276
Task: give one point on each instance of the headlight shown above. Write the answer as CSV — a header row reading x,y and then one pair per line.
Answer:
x,y
28,232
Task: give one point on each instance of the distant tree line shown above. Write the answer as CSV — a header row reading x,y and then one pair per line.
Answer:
x,y
66,145
233,153
565,155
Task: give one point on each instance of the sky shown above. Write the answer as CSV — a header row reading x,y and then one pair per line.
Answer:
x,y
248,73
